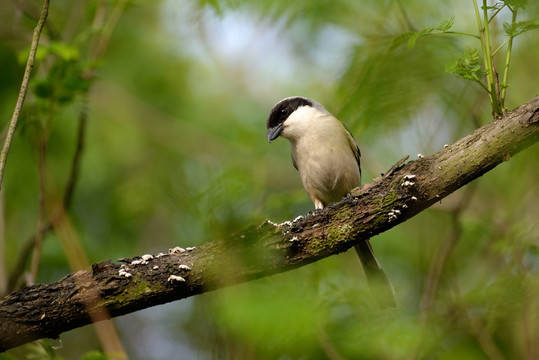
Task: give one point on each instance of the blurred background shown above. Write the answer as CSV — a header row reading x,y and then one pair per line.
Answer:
x,y
171,99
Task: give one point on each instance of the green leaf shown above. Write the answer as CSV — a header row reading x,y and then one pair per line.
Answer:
x,y
43,88
521,4
64,51
41,53
400,39
467,66
418,35
445,25
509,29
411,37
520,27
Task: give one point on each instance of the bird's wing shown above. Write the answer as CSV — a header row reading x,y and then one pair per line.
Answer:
x,y
354,147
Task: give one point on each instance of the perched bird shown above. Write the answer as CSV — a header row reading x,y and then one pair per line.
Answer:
x,y
328,160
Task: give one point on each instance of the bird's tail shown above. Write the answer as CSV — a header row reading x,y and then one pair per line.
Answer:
x,y
377,279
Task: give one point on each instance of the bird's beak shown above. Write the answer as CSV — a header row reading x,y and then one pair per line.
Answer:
x,y
274,132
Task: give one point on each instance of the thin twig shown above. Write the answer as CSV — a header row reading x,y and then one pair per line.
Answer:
x,y
75,163
24,88
496,12
507,60
397,166
103,41
28,9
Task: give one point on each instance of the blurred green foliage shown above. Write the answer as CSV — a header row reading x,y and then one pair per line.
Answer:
x,y
175,154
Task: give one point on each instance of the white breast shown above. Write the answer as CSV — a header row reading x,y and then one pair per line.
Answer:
x,y
323,152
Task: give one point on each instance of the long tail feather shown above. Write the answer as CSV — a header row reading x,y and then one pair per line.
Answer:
x,y
376,277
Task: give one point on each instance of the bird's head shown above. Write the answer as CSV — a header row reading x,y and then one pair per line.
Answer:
x,y
292,116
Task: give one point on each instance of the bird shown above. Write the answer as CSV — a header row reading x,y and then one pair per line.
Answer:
x,y
328,160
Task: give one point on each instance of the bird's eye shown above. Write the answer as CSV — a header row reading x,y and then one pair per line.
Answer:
x,y
284,111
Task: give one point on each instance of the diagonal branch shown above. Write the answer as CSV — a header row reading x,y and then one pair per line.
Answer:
x,y
47,310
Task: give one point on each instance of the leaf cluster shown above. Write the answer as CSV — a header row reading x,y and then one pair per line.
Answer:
x,y
519,28
67,77
467,66
411,37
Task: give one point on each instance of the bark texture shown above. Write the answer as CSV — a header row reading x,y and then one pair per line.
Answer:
x,y
111,289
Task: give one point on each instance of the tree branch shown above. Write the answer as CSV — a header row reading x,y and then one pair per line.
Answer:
x,y
47,310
